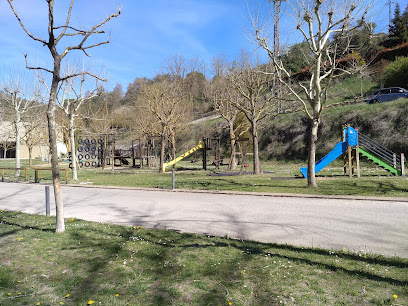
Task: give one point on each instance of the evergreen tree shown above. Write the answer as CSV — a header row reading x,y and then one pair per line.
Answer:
x,y
398,31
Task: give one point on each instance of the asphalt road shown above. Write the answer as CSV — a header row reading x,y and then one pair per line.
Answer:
x,y
372,226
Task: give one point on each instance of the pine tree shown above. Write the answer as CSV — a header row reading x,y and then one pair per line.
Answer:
x,y
398,31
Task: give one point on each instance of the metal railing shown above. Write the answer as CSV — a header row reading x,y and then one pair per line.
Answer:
x,y
391,158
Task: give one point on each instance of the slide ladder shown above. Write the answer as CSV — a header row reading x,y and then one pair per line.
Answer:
x,y
380,155
184,155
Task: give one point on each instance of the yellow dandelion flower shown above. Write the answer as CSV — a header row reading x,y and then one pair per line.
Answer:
x,y
38,303
9,293
61,303
90,302
344,248
229,303
116,294
20,238
19,281
395,296
19,293
67,296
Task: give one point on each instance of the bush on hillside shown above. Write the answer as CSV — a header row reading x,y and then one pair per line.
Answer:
x,y
396,73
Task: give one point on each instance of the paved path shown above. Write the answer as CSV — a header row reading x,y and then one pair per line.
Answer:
x,y
359,225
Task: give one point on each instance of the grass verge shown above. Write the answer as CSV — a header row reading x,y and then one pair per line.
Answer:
x,y
279,177
117,265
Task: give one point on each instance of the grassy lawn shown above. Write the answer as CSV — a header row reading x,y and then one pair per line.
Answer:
x,y
279,177
117,265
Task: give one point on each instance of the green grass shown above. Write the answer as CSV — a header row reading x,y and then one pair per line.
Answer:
x,y
374,181
117,265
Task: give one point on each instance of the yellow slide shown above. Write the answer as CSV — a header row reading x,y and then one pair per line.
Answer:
x,y
197,147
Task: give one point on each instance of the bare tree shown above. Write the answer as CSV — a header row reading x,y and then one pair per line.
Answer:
x,y
223,96
71,100
55,36
6,138
317,21
253,82
34,135
166,101
19,100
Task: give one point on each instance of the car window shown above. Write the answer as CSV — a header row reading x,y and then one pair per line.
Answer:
x,y
396,90
384,91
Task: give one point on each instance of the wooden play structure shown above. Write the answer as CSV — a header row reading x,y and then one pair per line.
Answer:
x,y
96,150
145,152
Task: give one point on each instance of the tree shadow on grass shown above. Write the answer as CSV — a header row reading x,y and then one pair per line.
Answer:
x,y
165,262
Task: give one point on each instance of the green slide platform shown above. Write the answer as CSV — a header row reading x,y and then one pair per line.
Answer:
x,y
379,162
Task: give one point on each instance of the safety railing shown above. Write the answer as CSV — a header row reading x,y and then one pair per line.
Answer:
x,y
380,151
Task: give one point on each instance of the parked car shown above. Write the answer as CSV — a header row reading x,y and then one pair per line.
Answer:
x,y
387,94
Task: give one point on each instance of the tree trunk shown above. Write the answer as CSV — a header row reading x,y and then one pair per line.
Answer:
x,y
60,226
173,145
257,166
41,152
30,155
162,140
18,136
311,175
232,164
73,147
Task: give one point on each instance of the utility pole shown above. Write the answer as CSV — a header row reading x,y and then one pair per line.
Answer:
x,y
276,45
389,4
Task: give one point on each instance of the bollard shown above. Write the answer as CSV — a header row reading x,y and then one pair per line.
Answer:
x,y
47,200
402,164
36,176
173,180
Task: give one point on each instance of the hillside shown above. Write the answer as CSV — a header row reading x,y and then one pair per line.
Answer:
x,y
386,123
285,137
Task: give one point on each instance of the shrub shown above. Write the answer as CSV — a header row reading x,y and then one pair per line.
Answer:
x,y
396,73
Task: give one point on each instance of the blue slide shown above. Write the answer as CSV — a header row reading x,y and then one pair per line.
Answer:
x,y
339,149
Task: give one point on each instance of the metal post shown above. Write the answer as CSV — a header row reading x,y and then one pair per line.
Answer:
x,y
350,161
394,160
358,161
205,154
402,164
36,177
47,200
2,175
173,180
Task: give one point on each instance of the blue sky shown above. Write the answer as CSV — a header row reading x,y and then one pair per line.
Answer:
x,y
146,33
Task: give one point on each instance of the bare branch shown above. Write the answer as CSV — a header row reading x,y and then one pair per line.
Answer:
x,y
22,25
66,23
82,73
80,46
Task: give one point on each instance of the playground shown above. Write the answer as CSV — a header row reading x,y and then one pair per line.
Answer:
x,y
356,165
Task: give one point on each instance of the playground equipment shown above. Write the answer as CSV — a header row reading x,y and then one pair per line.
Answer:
x,y
146,150
207,144
353,140
96,150
200,145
